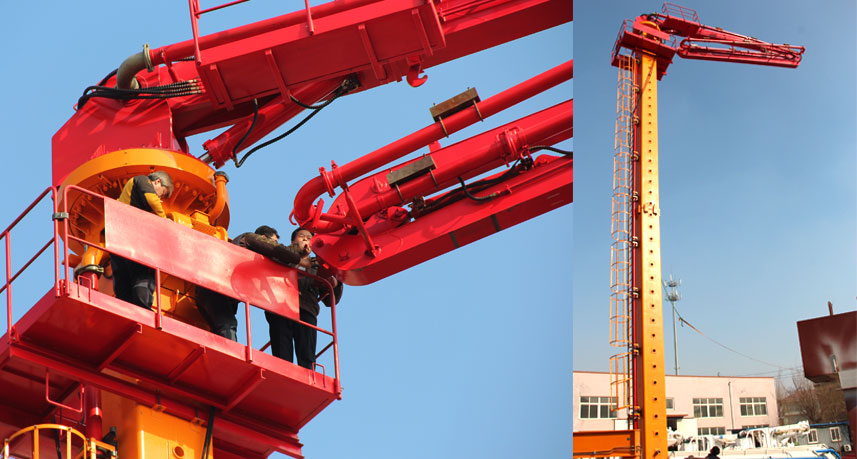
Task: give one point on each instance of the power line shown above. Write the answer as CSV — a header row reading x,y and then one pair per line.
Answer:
x,y
780,373
682,320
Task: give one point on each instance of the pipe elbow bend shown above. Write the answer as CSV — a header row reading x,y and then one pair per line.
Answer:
x,y
306,212
125,76
221,195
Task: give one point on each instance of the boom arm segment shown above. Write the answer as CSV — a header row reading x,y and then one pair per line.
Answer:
x,y
367,236
256,77
658,33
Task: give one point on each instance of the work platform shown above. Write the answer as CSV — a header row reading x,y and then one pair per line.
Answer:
x,y
90,338
77,339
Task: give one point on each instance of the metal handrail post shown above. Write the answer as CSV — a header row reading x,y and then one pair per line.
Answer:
x,y
336,380
158,317
66,283
56,243
248,351
8,284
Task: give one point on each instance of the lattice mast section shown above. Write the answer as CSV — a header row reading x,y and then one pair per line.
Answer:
x,y
621,305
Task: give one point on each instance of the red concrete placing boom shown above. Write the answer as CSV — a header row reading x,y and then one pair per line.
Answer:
x,y
643,50
159,376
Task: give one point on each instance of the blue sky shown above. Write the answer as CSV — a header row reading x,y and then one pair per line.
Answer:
x,y
758,196
468,355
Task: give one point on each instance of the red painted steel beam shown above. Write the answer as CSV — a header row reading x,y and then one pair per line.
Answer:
x,y
120,345
244,388
465,29
16,418
174,52
185,364
454,13
273,59
279,439
471,26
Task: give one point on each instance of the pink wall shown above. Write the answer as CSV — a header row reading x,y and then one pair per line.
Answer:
x,y
683,389
591,384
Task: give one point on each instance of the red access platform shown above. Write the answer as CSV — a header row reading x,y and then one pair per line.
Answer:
x,y
76,337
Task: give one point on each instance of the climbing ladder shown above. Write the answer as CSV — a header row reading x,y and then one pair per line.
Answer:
x,y
621,315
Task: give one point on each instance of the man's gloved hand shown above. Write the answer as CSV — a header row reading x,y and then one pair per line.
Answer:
x,y
277,252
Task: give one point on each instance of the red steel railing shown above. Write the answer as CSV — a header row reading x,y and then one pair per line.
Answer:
x,y
62,284
6,236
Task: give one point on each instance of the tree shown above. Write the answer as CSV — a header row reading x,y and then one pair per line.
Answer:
x,y
816,403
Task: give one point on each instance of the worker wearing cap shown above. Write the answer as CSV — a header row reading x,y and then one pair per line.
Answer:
x,y
290,338
133,282
219,310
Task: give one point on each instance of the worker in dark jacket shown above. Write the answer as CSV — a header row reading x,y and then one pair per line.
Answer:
x,y
219,310
289,338
133,282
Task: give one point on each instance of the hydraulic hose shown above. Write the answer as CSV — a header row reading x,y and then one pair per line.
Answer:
x,y
209,431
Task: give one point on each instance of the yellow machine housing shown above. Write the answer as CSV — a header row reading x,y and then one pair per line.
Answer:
x,y
144,432
199,201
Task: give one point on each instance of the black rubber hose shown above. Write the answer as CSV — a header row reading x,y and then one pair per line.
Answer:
x,y
553,149
456,194
346,86
178,89
252,125
209,431
101,83
275,139
471,196
311,107
57,441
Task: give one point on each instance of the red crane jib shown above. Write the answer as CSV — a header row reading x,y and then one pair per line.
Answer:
x,y
259,68
402,243
657,33
365,236
376,42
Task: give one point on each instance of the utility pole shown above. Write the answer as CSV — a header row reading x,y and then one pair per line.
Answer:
x,y
673,296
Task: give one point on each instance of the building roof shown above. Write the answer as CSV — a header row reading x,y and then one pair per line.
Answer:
x,y
687,376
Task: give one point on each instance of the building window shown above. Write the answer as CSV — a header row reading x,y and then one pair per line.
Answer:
x,y
755,426
813,436
597,407
708,407
670,403
834,434
753,406
711,431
